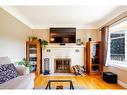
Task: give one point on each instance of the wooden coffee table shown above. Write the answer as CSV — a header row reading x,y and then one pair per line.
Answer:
x,y
51,81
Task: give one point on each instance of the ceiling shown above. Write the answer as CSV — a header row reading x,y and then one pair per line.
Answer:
x,y
83,17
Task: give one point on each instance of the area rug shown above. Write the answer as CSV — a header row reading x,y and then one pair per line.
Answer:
x,y
66,85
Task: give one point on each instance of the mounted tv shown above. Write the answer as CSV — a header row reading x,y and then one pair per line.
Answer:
x,y
62,35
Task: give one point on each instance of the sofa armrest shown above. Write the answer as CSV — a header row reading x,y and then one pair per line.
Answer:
x,y
22,70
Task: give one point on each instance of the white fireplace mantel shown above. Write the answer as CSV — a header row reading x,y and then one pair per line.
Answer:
x,y
72,51
64,46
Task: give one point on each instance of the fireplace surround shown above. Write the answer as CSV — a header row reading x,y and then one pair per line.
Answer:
x,y
74,53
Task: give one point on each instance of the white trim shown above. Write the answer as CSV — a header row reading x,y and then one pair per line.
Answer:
x,y
77,26
118,22
120,66
123,84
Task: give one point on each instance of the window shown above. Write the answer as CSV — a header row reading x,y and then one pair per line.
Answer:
x,y
117,45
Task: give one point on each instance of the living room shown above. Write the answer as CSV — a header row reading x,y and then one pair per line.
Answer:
x,y
58,47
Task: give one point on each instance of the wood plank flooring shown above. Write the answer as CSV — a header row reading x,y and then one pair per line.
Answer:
x,y
89,82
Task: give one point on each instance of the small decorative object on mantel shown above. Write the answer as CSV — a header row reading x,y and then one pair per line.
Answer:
x,y
78,42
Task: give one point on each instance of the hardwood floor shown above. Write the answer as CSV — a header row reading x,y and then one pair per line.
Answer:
x,y
89,82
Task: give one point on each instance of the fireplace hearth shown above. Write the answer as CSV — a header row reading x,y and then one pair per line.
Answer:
x,y
62,65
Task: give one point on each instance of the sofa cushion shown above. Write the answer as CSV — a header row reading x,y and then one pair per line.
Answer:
x,y
5,60
7,72
20,82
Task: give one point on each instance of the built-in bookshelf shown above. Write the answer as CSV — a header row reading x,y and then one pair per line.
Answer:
x,y
93,58
33,56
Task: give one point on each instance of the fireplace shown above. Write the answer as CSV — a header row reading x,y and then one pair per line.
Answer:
x,y
62,65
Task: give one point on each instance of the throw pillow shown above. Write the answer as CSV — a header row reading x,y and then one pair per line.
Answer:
x,y
7,72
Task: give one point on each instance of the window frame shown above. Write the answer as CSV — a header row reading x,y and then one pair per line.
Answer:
x,y
119,64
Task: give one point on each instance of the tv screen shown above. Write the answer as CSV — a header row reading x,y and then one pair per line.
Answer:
x,y
62,35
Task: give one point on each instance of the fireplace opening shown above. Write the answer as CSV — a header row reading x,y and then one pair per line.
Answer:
x,y
62,65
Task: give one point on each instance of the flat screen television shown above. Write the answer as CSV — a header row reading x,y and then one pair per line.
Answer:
x,y
62,35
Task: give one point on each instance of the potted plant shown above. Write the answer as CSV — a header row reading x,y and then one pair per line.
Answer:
x,y
33,38
44,43
23,62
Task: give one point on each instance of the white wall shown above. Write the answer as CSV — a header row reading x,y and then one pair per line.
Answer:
x,y
13,35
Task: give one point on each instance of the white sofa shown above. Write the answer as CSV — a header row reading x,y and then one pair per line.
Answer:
x,y
24,81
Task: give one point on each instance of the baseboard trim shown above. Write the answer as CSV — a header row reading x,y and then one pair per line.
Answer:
x,y
122,83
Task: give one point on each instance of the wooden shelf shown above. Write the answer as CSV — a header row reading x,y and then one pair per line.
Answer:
x,y
33,55
93,64
95,71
